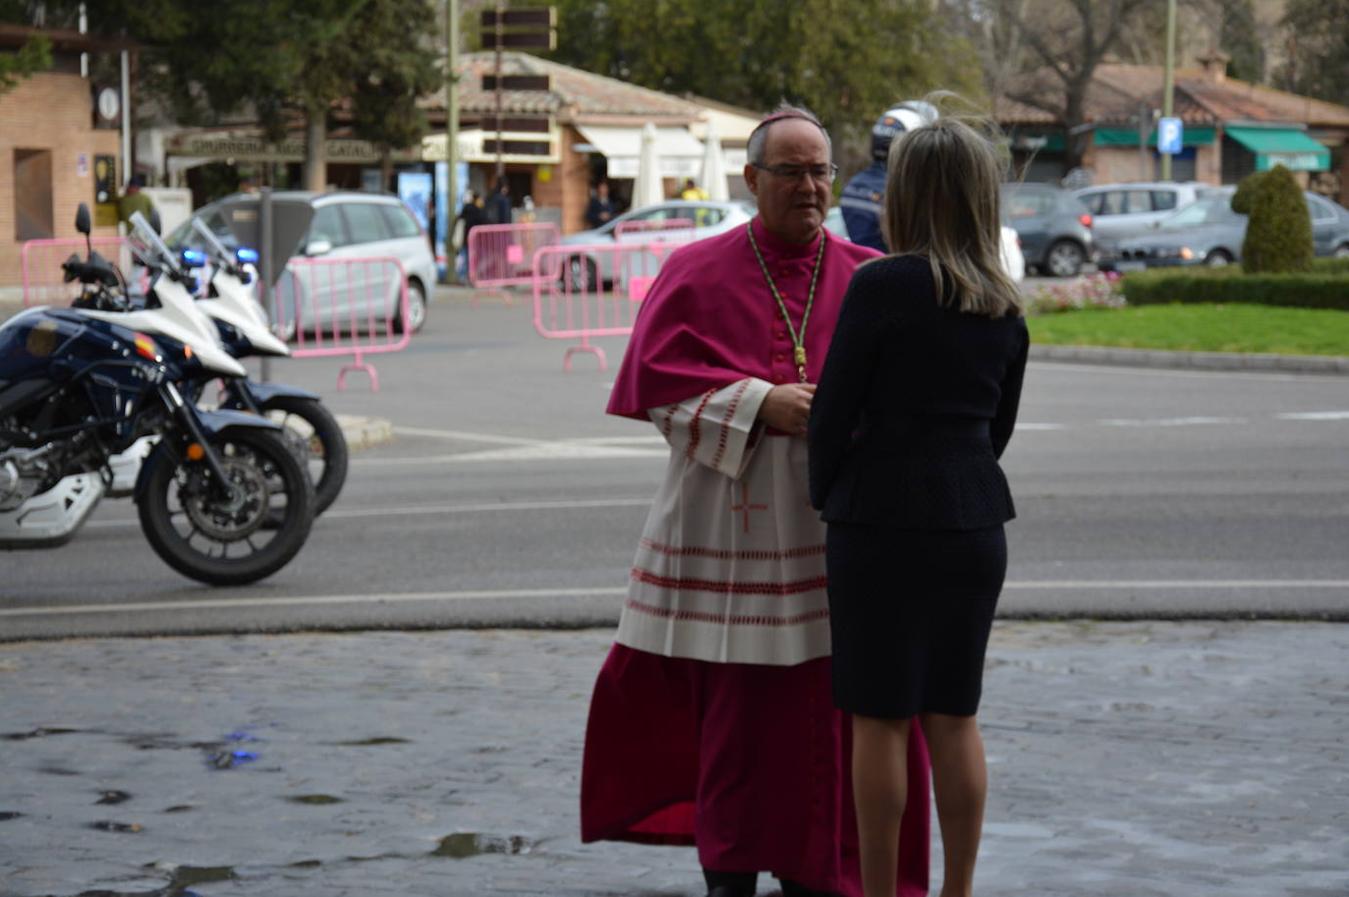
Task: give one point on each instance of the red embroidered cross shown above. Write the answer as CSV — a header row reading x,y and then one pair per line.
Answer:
x,y
745,506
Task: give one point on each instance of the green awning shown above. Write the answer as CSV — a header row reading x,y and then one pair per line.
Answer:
x,y
1288,147
1198,135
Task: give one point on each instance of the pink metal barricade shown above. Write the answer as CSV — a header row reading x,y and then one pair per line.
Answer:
x,y
40,264
583,292
354,307
641,230
499,255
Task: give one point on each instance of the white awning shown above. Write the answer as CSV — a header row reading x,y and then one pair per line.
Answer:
x,y
681,154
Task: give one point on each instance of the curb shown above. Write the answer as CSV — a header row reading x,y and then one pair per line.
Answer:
x,y
1334,365
364,432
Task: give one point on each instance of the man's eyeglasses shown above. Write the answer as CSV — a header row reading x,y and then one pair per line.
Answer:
x,y
821,174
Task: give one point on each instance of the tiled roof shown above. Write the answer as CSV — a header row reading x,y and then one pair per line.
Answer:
x,y
574,94
1117,90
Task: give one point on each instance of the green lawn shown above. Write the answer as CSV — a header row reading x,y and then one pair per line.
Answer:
x,y
1203,328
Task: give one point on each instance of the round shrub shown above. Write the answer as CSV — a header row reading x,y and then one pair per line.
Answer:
x,y
1279,232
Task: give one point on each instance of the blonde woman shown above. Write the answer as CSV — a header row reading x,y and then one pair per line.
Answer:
x,y
917,401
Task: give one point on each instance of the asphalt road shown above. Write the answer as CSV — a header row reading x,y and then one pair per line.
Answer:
x,y
508,498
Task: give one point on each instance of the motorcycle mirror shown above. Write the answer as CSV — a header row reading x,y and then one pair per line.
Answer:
x,y
82,223
155,222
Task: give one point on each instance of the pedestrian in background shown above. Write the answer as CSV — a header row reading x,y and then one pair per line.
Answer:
x,y
499,206
711,722
692,191
134,200
601,208
470,216
916,403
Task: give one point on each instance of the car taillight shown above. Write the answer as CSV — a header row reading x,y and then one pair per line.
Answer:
x,y
1085,218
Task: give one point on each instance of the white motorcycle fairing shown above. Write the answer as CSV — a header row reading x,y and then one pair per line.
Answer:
x,y
51,517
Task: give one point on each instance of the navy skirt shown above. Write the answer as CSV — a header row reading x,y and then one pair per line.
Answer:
x,y
910,613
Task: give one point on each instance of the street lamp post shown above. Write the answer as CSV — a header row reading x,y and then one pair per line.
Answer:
x,y
1168,86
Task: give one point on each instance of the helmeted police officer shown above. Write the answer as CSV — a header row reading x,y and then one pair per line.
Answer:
x,y
862,198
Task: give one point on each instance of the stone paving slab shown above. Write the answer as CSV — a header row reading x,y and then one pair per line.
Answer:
x,y
1126,759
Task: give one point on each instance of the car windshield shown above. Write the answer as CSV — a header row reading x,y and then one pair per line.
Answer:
x,y
1210,210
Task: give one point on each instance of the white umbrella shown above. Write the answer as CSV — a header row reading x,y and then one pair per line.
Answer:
x,y
714,165
649,189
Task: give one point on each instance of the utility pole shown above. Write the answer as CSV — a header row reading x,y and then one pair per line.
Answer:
x,y
451,127
1168,86
497,41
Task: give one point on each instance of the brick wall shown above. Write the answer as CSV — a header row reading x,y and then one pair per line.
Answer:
x,y
49,112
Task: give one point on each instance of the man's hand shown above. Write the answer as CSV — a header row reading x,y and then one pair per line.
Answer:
x,y
787,407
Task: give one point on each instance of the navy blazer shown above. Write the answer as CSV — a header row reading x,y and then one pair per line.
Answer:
x,y
914,406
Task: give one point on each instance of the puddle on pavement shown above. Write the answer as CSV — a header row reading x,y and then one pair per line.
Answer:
x,y
373,742
110,825
112,797
40,732
58,771
313,799
462,845
6,815
230,759
180,808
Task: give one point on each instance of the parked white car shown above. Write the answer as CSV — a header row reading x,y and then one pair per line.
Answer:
x,y
709,218
344,226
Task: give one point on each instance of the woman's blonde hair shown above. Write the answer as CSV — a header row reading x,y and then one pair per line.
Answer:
x,y
942,202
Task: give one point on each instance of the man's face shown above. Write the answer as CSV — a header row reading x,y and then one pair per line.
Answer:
x,y
793,208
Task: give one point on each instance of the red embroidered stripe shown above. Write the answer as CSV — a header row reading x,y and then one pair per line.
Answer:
x,y
694,616
695,551
668,424
695,432
726,423
728,588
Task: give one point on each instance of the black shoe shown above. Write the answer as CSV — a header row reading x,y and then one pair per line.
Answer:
x,y
730,891
792,889
730,884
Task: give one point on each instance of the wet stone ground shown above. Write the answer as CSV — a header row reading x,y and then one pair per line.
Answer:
x,y
1127,760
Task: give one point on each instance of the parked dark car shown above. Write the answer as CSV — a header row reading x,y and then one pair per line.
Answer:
x,y
1054,227
1208,232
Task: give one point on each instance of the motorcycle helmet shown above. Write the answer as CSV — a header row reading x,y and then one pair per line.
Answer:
x,y
897,119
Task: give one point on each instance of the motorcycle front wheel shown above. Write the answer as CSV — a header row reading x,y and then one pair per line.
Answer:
x,y
223,536
317,428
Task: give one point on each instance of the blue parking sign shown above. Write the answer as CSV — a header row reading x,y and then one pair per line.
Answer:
x,y
1169,136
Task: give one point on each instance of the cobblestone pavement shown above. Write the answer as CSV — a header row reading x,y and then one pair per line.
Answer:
x,y
1127,760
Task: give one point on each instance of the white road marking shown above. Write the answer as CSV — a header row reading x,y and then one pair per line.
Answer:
x,y
1169,421
467,436
608,591
302,600
1314,415
429,510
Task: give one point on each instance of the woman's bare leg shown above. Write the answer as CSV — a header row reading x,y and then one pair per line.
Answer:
x,y
880,781
960,785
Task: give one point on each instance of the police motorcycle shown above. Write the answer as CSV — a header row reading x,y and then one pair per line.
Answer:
x,y
243,330
221,498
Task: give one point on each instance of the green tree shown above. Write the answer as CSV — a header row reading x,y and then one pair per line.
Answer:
x,y
1317,37
1278,230
34,56
398,69
1239,37
848,61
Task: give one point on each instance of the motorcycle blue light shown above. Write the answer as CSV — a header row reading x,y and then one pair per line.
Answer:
x,y
194,259
247,256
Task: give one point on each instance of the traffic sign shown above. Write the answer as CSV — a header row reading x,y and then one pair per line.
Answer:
x,y
1170,134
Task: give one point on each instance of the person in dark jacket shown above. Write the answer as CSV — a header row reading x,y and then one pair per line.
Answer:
x,y
601,207
860,201
499,206
917,401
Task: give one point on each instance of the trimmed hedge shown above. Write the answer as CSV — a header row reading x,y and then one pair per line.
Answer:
x,y
1279,233
1325,286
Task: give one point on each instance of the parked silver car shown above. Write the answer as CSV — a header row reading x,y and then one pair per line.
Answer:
x,y
1208,232
1126,210
345,226
1054,227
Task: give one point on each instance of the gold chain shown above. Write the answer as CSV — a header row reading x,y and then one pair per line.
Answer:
x,y
798,339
